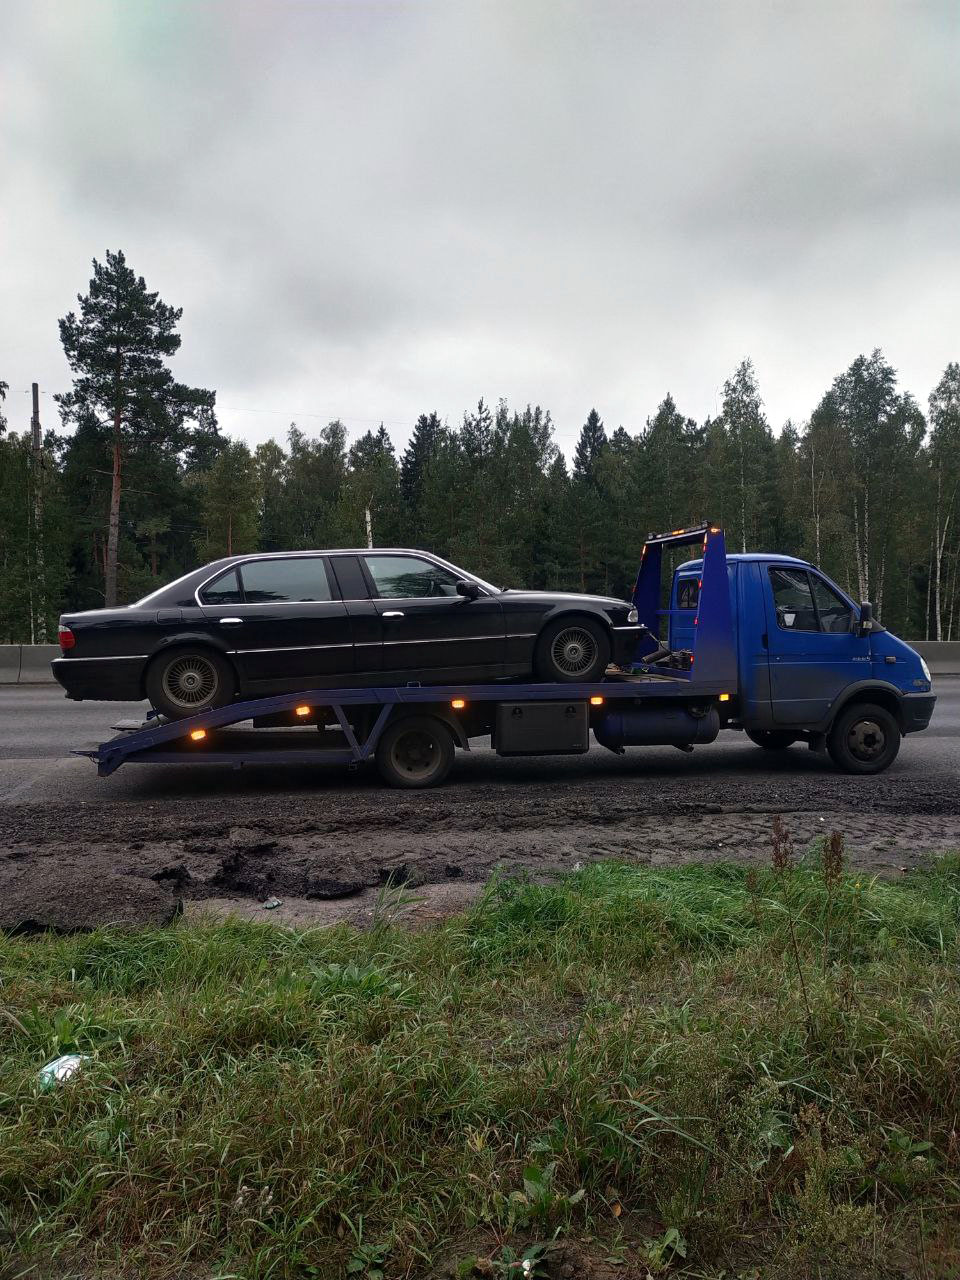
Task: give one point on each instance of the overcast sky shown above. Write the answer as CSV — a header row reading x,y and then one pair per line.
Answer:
x,y
369,210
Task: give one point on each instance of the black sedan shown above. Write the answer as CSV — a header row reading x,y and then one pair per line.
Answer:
x,y
260,624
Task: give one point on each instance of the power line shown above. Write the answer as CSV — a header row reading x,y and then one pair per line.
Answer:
x,y
289,413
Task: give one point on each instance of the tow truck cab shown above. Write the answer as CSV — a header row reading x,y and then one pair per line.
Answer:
x,y
803,650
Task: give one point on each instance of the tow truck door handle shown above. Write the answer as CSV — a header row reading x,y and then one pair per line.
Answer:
x,y
227,622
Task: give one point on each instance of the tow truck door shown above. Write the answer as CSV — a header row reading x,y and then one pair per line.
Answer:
x,y
813,648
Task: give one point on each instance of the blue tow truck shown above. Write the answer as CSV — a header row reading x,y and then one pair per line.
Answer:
x,y
763,644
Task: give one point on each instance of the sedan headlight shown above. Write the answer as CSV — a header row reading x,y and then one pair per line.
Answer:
x,y
633,616
926,672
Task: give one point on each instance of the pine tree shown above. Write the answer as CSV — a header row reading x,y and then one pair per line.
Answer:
x,y
590,446
229,504
944,454
116,348
372,483
426,438
750,444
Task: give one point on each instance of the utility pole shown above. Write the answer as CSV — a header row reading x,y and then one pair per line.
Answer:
x,y
38,612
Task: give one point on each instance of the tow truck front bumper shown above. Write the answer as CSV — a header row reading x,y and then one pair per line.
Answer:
x,y
917,710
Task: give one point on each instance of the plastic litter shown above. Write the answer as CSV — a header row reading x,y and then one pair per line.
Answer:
x,y
271,904
61,1069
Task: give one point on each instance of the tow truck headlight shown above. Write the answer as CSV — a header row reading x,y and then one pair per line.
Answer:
x,y
926,671
632,617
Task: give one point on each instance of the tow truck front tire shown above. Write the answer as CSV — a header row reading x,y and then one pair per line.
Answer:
x,y
865,738
771,739
416,751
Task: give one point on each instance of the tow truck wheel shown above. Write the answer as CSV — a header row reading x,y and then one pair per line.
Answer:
x,y
572,650
415,752
184,681
771,739
864,739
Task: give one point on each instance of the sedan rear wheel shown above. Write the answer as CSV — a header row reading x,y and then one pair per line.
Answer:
x,y
186,681
572,650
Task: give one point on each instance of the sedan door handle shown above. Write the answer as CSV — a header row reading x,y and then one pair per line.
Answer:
x,y
393,613
225,622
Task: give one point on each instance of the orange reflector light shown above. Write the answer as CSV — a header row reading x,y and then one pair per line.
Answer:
x,y
198,735
724,697
303,711
458,704
596,701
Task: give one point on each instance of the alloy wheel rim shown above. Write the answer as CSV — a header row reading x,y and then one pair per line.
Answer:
x,y
574,651
866,740
415,753
190,681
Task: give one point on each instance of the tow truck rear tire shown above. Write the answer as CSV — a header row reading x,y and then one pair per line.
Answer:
x,y
865,738
771,739
416,751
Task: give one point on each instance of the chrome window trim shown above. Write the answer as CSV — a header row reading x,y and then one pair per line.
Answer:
x,y
487,588
265,604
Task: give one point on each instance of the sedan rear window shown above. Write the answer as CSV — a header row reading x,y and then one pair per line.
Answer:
x,y
223,590
299,578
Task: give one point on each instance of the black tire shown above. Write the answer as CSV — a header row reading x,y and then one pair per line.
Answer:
x,y
190,679
771,739
865,738
572,651
416,751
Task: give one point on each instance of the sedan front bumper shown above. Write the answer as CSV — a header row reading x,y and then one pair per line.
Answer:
x,y
625,641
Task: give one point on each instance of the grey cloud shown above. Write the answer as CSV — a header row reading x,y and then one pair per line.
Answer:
x,y
376,208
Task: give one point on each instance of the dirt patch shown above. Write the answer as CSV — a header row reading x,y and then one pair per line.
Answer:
x,y
330,849
50,897
329,870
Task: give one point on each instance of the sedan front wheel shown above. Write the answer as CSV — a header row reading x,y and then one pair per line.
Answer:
x,y
185,681
572,651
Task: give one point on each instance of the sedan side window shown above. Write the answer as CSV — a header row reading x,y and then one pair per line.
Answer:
x,y
835,614
409,578
793,600
223,590
290,580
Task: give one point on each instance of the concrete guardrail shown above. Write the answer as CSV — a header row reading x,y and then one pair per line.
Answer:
x,y
30,663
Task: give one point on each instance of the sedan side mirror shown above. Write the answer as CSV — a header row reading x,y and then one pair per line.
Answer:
x,y
468,589
866,618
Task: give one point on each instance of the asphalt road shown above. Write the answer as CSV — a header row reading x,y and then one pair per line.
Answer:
x,y
328,833
39,728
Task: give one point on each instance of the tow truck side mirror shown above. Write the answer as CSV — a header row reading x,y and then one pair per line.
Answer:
x,y
866,618
468,589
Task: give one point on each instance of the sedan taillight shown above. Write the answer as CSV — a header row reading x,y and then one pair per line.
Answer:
x,y
67,639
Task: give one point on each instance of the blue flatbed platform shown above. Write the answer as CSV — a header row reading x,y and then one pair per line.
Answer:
x,y
195,739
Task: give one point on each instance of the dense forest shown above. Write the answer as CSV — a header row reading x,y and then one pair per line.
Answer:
x,y
138,485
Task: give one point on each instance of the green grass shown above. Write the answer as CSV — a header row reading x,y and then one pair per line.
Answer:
x,y
710,1069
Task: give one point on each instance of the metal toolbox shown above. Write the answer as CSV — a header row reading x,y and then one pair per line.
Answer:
x,y
542,728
